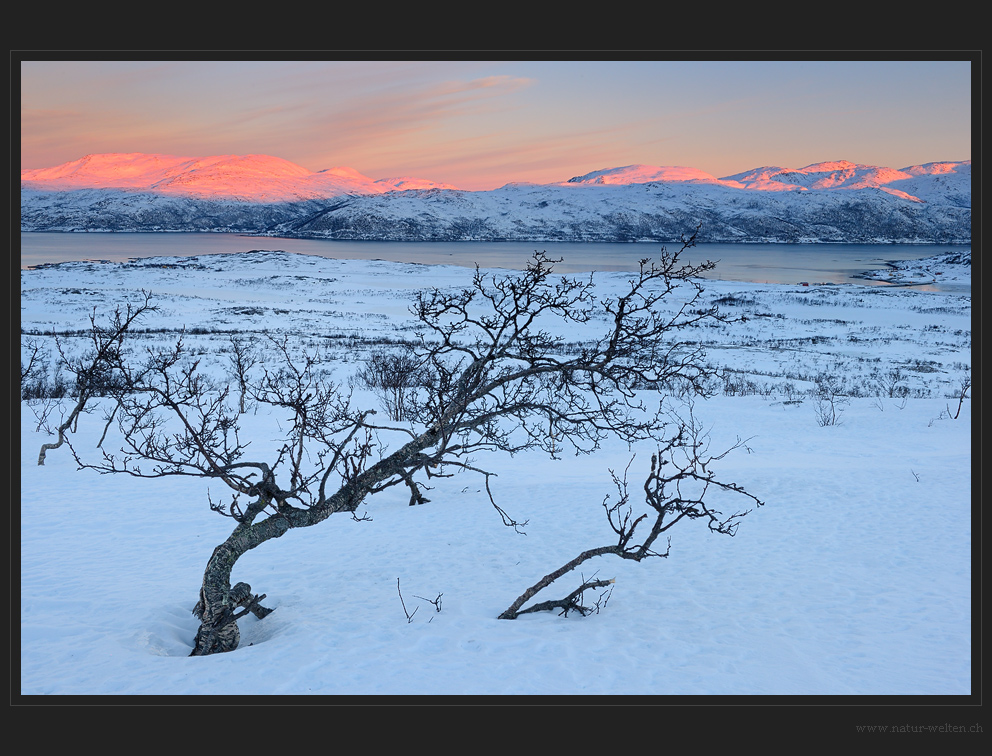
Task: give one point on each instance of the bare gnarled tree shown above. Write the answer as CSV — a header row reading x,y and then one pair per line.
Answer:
x,y
492,377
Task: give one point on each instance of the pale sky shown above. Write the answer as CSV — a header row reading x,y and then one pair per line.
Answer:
x,y
481,124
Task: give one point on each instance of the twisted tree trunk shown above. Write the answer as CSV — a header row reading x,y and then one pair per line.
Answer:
x,y
218,601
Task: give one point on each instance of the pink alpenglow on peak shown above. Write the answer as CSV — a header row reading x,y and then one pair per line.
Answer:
x,y
825,176
842,175
250,178
930,169
267,179
123,170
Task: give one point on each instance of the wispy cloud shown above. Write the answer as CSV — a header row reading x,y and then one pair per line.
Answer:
x,y
399,112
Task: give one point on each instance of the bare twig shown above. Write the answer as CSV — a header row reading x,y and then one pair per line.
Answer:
x,y
435,601
962,395
409,616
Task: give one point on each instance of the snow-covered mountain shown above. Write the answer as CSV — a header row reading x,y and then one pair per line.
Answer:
x,y
246,178
825,202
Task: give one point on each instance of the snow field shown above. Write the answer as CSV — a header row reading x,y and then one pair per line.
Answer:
x,y
854,578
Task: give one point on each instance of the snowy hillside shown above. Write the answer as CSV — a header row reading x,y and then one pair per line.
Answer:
x,y
825,202
853,580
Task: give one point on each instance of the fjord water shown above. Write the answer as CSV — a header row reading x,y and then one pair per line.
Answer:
x,y
757,263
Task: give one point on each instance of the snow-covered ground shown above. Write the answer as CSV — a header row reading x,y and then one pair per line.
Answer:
x,y
854,579
948,269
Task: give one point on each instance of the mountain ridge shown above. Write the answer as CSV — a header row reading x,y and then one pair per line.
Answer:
x,y
827,201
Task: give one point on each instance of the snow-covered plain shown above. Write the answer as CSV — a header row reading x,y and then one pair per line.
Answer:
x,y
854,579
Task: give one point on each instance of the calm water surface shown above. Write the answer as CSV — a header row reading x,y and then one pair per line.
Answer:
x,y
758,263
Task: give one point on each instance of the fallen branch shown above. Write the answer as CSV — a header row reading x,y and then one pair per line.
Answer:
x,y
675,489
567,604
